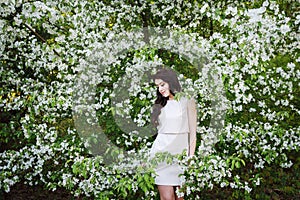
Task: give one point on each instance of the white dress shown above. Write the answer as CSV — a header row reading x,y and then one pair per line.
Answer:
x,y
172,137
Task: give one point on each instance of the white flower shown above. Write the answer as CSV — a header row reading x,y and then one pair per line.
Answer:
x,y
255,14
203,8
231,10
285,29
266,4
248,189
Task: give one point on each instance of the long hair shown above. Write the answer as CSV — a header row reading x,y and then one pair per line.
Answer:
x,y
170,77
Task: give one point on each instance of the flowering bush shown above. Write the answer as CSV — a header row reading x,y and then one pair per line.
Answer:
x,y
76,96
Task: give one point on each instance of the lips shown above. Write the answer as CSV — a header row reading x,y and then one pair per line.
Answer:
x,y
165,93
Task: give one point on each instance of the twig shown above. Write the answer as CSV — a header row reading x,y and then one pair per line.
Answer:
x,y
40,37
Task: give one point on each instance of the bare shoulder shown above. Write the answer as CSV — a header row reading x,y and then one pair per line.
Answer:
x,y
191,103
190,99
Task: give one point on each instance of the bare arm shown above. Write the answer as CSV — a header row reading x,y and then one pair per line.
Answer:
x,y
192,119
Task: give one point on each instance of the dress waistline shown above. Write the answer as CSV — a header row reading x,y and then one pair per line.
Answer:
x,y
175,133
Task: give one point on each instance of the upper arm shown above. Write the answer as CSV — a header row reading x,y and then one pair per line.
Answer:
x,y
192,113
191,107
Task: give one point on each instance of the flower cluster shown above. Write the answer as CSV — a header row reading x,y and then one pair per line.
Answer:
x,y
76,82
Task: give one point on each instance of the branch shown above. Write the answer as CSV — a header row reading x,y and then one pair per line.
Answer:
x,y
145,18
40,37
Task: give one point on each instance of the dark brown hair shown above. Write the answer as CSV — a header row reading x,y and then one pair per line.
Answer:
x,y
170,77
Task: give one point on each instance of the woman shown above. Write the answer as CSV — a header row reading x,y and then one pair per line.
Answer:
x,y
176,123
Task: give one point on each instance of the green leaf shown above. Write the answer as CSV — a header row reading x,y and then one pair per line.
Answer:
x,y
237,164
232,164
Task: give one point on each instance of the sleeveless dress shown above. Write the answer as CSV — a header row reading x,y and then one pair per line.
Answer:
x,y
172,137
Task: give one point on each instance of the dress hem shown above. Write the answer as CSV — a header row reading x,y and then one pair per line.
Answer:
x,y
168,184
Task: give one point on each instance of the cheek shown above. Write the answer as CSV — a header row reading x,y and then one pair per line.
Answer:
x,y
167,88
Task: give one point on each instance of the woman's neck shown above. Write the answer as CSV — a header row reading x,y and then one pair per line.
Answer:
x,y
171,97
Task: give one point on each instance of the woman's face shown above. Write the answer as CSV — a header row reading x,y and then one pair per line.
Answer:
x,y
163,88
